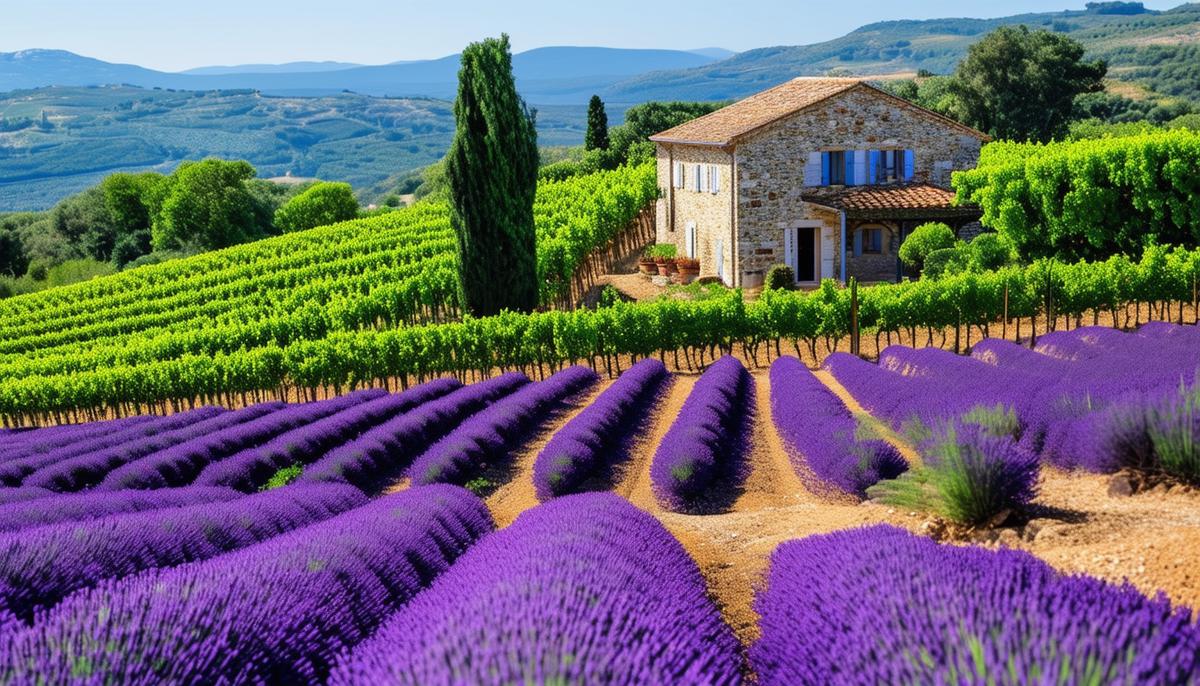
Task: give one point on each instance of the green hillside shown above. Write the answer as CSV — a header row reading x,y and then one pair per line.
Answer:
x,y
230,318
1157,49
59,141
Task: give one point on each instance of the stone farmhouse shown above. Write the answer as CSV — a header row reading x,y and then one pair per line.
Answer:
x,y
826,175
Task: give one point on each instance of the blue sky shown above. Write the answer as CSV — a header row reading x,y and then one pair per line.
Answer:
x,y
178,34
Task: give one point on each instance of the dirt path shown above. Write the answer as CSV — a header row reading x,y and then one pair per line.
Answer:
x,y
880,427
635,483
518,493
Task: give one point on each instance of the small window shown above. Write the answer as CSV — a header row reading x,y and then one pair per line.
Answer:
x,y
837,168
872,241
678,173
891,166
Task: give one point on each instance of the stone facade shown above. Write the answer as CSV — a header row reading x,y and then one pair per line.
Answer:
x,y
710,213
772,166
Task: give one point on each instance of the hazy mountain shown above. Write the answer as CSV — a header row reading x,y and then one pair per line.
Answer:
x,y
286,68
715,53
548,75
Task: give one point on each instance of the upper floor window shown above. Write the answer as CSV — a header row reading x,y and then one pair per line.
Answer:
x,y
858,167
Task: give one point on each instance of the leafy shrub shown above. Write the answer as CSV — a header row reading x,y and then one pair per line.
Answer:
x,y
970,476
924,240
946,261
321,205
663,250
780,277
990,251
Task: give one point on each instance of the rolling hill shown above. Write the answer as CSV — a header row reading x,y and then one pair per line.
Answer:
x,y
60,140
1136,44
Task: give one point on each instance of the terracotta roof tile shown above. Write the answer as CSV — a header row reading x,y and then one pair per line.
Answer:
x,y
729,123
876,199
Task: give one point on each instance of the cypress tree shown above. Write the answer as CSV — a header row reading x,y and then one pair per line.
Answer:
x,y
596,137
492,169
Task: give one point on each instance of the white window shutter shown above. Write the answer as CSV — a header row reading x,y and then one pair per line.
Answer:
x,y
715,186
706,178
719,249
677,182
789,248
812,169
690,240
696,173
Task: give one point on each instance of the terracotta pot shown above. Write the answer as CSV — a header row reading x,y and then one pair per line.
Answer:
x,y
647,267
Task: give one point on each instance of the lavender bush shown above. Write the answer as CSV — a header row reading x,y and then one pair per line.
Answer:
x,y
250,469
490,436
180,464
78,507
707,438
582,589
595,437
377,457
40,566
14,472
277,612
87,470
820,433
969,476
22,494
882,606
38,441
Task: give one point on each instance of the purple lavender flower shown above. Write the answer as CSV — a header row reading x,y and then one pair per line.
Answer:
x,y
881,606
40,566
378,456
582,589
78,507
180,464
594,438
86,470
22,494
30,442
706,440
251,468
489,436
275,612
820,433
16,472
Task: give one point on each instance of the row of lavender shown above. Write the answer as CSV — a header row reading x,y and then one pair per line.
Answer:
x,y
1090,398
413,588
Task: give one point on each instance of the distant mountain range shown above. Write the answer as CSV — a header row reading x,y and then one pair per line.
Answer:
x,y
551,75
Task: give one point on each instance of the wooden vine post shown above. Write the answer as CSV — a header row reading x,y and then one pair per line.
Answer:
x,y
855,342
1004,324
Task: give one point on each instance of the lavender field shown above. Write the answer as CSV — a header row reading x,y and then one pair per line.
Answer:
x,y
864,523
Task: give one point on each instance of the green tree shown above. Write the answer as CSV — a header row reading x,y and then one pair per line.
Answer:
x,y
323,204
206,205
129,199
925,239
492,169
596,137
1019,84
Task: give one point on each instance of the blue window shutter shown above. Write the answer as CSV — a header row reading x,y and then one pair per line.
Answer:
x,y
908,165
824,169
849,167
858,243
872,162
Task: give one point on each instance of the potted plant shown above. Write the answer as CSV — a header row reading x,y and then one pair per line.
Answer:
x,y
688,268
663,255
646,264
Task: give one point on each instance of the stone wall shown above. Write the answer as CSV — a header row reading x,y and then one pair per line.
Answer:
x,y
870,267
710,211
771,166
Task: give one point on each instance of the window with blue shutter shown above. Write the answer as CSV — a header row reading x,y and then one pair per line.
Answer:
x,y
849,168
873,163
825,168
837,168
909,163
